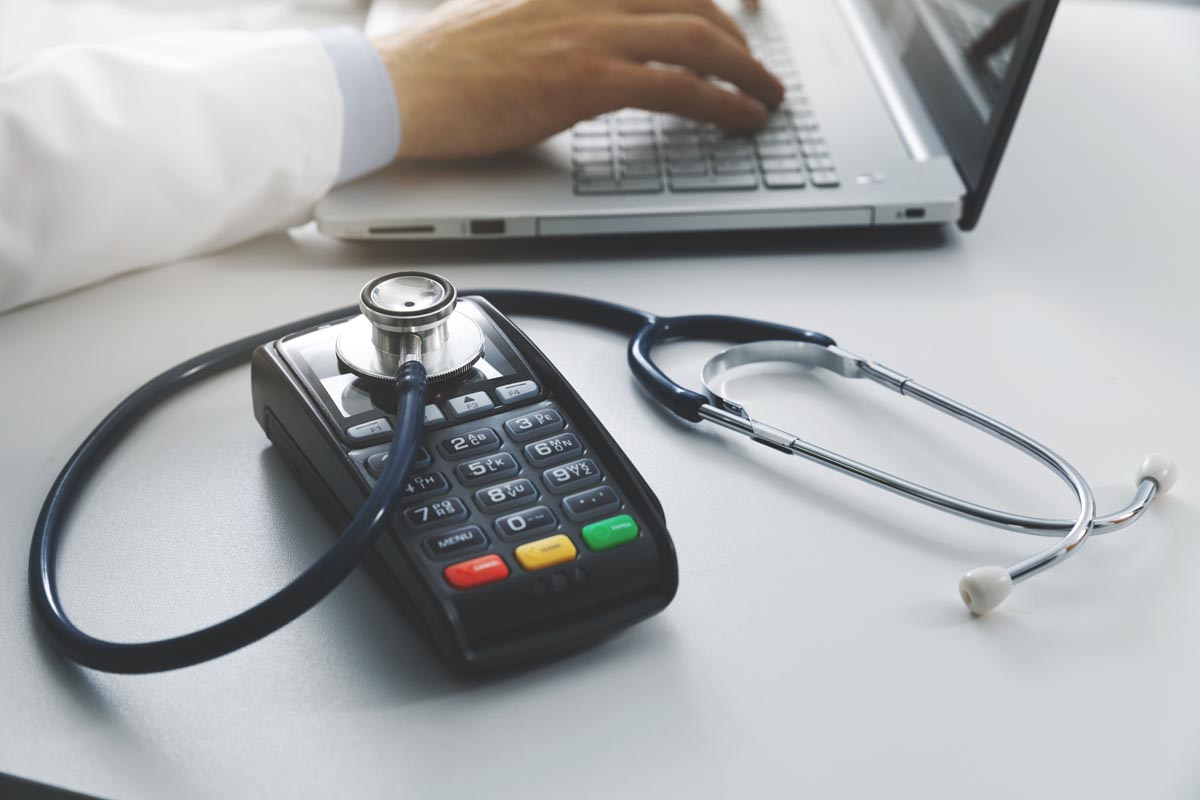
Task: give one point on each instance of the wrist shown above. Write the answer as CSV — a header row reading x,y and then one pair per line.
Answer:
x,y
405,85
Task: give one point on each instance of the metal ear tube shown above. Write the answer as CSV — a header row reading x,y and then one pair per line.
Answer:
x,y
981,589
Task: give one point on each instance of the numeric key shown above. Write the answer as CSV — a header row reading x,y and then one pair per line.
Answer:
x,y
472,443
538,519
487,469
553,450
441,512
506,495
535,424
572,476
425,484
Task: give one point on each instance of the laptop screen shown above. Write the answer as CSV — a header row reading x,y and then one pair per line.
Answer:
x,y
971,61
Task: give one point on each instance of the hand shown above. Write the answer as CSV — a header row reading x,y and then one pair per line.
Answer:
x,y
476,77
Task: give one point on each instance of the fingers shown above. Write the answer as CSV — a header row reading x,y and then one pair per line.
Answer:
x,y
706,9
677,91
690,42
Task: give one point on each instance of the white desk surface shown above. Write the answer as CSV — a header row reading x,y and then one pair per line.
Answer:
x,y
817,647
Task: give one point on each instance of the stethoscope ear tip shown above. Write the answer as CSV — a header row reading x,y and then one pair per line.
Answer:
x,y
1159,468
984,588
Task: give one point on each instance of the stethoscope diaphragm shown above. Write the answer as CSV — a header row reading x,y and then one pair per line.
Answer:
x,y
410,316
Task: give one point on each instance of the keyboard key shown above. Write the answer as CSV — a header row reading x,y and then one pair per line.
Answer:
x,y
594,171
635,126
689,168
745,153
721,137
733,147
630,141
476,572
516,392
682,138
553,450
487,469
437,513
546,553
378,461
609,533
598,187
477,442
434,415
470,404
513,494
775,137
782,165
825,178
624,186
590,143
534,424
777,151
785,180
640,185
639,154
592,127
469,538
640,170
571,477
814,149
591,503
730,167
675,154
529,522
714,183
424,484
370,430
672,124
817,163
581,157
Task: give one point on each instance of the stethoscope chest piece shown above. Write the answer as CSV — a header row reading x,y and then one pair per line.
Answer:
x,y
410,316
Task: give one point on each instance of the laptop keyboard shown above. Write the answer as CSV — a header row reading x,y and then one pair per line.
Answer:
x,y
638,152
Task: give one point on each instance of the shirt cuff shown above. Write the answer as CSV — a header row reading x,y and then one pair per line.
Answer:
x,y
370,118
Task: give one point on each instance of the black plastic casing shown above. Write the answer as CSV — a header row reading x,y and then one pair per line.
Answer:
x,y
512,621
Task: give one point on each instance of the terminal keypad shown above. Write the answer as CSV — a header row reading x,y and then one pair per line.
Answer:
x,y
508,494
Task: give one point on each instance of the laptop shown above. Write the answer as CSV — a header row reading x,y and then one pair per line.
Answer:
x,y
897,113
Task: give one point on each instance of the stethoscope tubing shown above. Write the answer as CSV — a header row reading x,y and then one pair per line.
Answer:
x,y
645,331
261,619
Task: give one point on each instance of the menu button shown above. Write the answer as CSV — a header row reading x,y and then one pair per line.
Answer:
x,y
455,541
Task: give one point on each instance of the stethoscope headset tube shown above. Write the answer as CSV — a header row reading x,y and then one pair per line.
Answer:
x,y
981,589
646,332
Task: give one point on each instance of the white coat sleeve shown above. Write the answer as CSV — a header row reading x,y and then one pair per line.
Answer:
x,y
115,157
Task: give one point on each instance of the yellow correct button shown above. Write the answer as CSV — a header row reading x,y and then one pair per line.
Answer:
x,y
545,552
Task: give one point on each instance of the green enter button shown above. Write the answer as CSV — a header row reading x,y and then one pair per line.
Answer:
x,y
609,533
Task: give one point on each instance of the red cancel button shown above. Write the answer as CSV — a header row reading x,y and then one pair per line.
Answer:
x,y
476,572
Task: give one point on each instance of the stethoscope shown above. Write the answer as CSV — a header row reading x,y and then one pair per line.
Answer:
x,y
410,331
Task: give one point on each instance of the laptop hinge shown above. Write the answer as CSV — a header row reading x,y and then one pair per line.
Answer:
x,y
901,98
